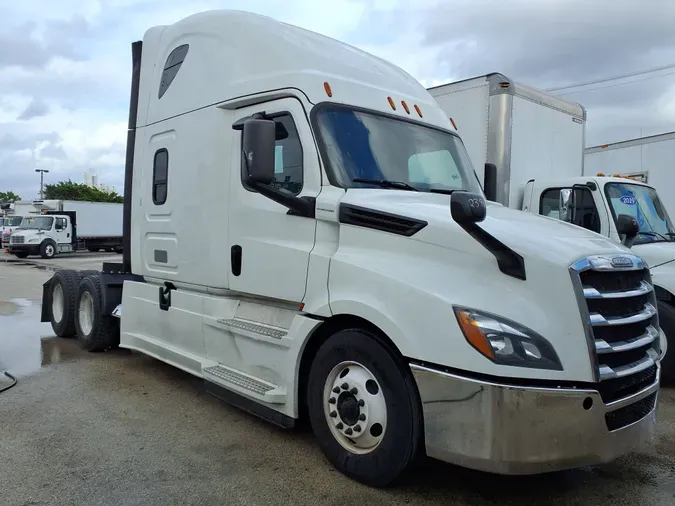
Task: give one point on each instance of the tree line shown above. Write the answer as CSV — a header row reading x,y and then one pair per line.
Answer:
x,y
68,190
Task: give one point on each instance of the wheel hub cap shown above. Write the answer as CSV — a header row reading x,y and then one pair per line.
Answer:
x,y
355,407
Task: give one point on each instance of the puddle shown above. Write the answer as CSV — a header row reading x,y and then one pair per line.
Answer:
x,y
26,344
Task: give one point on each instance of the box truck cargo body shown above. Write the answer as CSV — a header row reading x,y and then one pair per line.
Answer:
x,y
523,131
650,160
59,226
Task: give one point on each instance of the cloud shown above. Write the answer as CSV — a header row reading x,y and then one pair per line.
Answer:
x,y
65,66
35,109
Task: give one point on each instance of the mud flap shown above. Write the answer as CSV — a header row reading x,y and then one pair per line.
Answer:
x,y
45,313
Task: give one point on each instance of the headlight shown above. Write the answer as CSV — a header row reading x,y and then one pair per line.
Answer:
x,y
33,240
505,342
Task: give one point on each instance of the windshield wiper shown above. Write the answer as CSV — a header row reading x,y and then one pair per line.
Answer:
x,y
385,183
446,191
654,234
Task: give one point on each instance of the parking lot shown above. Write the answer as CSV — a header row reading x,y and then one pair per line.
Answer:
x,y
120,428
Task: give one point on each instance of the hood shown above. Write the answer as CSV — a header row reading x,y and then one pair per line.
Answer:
x,y
656,253
526,233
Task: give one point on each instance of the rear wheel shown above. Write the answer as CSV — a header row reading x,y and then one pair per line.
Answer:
x,y
62,297
667,323
95,331
364,408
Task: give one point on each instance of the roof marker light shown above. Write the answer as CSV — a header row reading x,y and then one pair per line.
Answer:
x,y
454,125
326,87
391,103
601,174
405,106
419,111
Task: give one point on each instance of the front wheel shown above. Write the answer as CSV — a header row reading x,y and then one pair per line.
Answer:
x,y
667,323
48,250
364,408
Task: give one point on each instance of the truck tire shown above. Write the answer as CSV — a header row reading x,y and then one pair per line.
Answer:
x,y
364,408
48,249
95,330
62,296
667,323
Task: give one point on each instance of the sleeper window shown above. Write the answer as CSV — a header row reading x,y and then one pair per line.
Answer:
x,y
160,177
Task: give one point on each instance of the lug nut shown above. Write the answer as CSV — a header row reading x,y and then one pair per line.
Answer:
x,y
345,386
348,431
339,426
362,403
362,417
331,400
333,414
357,428
353,391
336,390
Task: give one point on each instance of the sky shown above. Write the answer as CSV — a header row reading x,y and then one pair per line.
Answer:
x,y
65,66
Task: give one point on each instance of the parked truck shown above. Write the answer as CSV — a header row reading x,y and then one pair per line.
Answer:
x,y
646,159
356,276
60,226
535,143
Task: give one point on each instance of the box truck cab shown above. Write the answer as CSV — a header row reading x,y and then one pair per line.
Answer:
x,y
356,276
596,203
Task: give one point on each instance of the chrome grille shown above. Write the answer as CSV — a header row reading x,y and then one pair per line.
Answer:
x,y
618,305
16,239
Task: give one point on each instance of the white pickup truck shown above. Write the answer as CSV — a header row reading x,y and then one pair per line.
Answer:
x,y
356,276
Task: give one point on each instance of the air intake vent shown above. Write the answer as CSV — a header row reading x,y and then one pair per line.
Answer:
x,y
379,220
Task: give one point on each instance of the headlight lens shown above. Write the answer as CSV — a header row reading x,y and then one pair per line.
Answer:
x,y
506,342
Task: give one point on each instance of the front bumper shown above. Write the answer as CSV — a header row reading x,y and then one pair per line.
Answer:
x,y
31,249
528,430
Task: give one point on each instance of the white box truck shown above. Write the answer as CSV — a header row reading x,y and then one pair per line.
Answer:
x,y
534,142
12,217
59,226
357,277
649,160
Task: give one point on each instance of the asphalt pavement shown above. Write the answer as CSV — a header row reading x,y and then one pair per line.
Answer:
x,y
119,428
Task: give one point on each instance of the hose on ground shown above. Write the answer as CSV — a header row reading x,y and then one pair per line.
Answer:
x,y
13,384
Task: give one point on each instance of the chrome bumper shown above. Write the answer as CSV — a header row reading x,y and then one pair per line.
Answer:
x,y
527,430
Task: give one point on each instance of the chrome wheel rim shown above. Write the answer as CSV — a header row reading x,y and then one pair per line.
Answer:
x,y
355,407
57,303
86,313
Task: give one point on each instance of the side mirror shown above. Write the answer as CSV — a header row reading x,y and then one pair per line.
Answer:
x,y
490,182
467,208
628,227
258,149
566,204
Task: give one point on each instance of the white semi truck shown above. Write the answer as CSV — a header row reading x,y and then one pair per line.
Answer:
x,y
645,159
64,226
356,276
535,141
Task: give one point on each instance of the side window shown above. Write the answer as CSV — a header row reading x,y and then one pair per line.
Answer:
x,y
288,159
549,205
584,214
171,67
60,224
160,177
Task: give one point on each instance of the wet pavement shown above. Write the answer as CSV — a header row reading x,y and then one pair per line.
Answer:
x,y
119,428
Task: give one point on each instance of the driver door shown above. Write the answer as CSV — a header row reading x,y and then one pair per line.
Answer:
x,y
62,232
269,248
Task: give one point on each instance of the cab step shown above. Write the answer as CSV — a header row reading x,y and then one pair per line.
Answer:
x,y
247,392
245,384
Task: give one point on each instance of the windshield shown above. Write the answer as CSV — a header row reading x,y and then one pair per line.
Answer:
x,y
643,204
38,223
362,145
13,221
